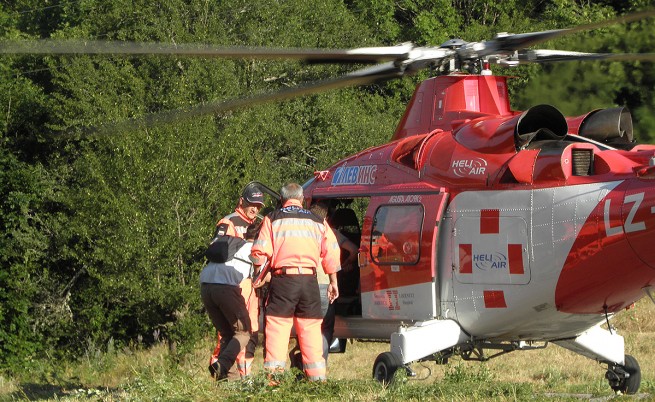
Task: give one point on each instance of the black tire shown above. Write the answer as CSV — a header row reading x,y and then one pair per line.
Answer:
x,y
631,384
385,367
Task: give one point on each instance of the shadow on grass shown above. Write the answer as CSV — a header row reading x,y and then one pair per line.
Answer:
x,y
37,392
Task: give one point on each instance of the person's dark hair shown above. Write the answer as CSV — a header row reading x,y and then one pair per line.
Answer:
x,y
320,208
252,230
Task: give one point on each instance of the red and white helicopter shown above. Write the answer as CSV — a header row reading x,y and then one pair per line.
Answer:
x,y
491,229
480,228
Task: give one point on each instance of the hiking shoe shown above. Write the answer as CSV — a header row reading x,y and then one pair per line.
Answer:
x,y
213,369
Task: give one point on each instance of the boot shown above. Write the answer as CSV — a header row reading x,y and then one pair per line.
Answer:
x,y
214,368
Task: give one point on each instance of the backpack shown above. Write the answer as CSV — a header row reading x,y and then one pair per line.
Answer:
x,y
223,248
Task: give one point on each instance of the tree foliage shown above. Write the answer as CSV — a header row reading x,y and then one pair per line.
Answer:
x,y
103,235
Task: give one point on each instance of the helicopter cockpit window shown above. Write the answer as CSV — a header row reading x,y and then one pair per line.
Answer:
x,y
396,233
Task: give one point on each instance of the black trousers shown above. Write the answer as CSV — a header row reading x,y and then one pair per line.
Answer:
x,y
227,311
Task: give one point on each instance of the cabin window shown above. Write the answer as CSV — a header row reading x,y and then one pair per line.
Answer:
x,y
396,233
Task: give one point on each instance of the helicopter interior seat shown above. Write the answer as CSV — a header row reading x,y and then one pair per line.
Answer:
x,y
346,222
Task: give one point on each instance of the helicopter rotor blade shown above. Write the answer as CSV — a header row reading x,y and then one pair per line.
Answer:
x,y
548,56
364,76
96,47
396,61
512,42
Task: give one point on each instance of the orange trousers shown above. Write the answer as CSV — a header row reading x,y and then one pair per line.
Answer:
x,y
294,300
308,330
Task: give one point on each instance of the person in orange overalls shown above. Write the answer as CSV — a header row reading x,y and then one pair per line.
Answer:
x,y
235,224
296,242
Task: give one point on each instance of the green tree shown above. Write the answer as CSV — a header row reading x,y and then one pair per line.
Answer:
x,y
114,224
26,297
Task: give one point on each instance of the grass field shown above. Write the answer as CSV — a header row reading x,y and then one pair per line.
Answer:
x,y
157,374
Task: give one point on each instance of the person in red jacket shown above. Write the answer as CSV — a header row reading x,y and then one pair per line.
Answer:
x,y
296,243
235,224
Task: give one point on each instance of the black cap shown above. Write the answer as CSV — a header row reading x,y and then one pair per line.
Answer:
x,y
253,195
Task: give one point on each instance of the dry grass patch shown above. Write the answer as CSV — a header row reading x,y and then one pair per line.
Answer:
x,y
7,385
159,374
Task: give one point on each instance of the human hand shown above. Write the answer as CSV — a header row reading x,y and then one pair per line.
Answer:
x,y
263,282
332,292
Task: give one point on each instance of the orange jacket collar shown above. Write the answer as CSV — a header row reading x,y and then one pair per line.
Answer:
x,y
242,214
292,202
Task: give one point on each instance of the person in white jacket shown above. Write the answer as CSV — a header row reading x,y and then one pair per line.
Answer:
x,y
226,307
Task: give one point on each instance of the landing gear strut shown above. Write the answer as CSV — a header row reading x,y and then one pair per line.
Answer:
x,y
624,379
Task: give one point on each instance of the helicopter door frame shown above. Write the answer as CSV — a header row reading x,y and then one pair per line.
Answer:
x,y
399,255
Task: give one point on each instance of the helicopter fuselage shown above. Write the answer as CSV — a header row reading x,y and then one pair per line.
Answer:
x,y
511,225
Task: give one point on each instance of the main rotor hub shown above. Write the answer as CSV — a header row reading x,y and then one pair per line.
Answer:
x,y
453,43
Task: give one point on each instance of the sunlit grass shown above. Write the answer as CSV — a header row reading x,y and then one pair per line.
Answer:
x,y
137,374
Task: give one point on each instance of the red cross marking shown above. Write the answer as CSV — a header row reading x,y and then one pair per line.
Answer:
x,y
494,299
489,221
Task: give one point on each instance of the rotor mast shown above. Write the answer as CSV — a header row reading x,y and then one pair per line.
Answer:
x,y
444,101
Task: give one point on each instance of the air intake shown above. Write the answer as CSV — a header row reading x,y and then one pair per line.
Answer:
x,y
582,162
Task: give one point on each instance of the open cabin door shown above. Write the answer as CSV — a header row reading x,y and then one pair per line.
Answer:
x,y
398,256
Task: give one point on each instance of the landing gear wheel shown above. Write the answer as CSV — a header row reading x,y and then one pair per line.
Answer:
x,y
625,379
385,367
